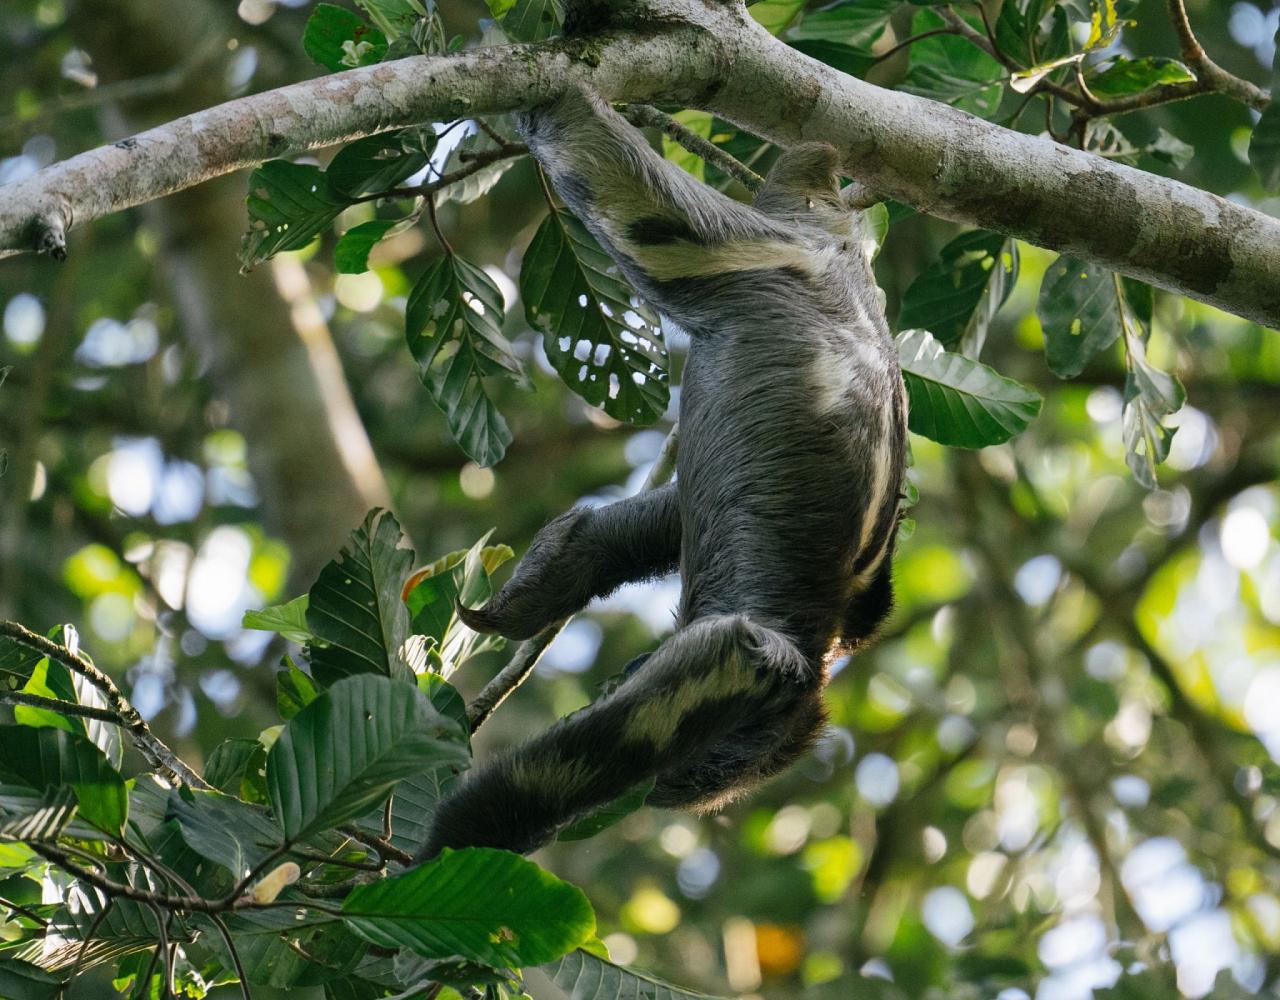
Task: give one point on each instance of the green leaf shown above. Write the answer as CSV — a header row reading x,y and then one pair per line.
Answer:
x,y
295,690
288,620
433,593
339,39
355,607
24,981
956,297
775,15
16,662
44,824
845,58
1264,147
608,815
290,204
290,948
394,17
872,228
953,70
1150,395
1132,76
481,904
532,20
453,322
1079,313
958,401
605,344
1168,148
351,253
342,754
857,26
49,758
584,976
226,766
223,829
380,162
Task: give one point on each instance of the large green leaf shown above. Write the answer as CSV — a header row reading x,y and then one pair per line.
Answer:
x,y
956,297
584,976
50,758
952,69
481,904
605,344
339,39
1132,76
958,401
224,829
354,609
342,754
289,948
24,981
857,26
1079,312
453,322
290,204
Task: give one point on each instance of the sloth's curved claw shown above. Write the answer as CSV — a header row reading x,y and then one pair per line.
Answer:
x,y
476,619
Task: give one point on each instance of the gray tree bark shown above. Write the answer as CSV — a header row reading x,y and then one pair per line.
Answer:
x,y
710,54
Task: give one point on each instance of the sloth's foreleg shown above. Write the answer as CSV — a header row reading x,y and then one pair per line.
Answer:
x,y
700,685
584,553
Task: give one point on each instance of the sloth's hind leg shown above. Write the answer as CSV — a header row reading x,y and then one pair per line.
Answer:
x,y
584,553
697,687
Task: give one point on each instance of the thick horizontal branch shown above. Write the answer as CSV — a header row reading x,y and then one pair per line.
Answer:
x,y
710,55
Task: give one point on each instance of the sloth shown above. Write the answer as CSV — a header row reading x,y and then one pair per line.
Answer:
x,y
783,513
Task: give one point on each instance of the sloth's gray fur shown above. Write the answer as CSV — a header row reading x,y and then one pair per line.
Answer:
x,y
783,514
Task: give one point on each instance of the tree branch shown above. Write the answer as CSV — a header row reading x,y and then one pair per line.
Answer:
x,y
58,705
158,755
646,116
930,156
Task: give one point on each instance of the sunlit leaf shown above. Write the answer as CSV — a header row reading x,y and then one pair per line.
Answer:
x,y
958,401
481,904
1132,76
49,758
288,620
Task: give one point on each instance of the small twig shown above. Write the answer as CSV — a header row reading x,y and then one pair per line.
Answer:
x,y
388,851
229,941
1208,71
482,159
528,653
63,707
643,115
319,857
22,911
158,755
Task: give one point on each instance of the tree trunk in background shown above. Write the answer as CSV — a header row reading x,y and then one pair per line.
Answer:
x,y
309,453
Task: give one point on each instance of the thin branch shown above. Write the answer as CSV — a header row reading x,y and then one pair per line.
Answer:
x,y
646,116
63,707
22,911
158,755
225,933
385,848
528,653
482,159
445,245
1208,71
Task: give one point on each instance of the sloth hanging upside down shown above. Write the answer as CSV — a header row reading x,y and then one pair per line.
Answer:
x,y
783,514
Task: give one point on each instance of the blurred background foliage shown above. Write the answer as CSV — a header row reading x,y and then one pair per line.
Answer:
x,y
1056,773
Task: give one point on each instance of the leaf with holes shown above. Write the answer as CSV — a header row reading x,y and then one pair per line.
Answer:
x,y
290,204
1079,313
956,297
339,39
584,976
1150,395
489,906
453,322
605,344
958,401
354,608
342,754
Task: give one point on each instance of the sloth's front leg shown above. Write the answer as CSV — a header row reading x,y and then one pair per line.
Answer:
x,y
584,553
